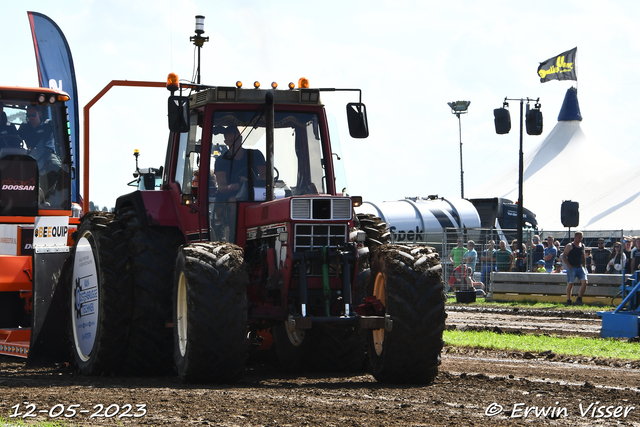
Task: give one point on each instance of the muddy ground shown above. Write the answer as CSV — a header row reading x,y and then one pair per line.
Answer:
x,y
474,387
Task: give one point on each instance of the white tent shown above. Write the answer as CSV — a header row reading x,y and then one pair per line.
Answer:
x,y
559,169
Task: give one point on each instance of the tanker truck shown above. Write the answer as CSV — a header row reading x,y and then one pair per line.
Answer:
x,y
432,219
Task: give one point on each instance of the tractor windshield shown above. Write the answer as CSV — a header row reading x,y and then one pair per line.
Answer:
x,y
238,165
40,132
237,136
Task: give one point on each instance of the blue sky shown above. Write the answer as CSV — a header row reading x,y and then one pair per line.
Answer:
x,y
409,57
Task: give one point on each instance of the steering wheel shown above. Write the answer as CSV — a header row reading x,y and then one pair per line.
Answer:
x,y
243,173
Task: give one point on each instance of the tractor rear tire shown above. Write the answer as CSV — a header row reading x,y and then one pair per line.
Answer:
x,y
288,347
320,349
100,298
152,252
210,313
407,280
375,228
335,349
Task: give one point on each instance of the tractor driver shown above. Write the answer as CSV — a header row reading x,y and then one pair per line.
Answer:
x,y
231,174
38,136
233,168
36,131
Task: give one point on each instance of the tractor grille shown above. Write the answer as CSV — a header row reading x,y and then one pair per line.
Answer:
x,y
301,209
315,236
321,208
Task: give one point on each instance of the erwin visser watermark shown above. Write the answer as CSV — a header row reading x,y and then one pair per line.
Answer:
x,y
582,410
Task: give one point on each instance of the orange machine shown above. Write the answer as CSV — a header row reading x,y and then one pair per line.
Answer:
x,y
37,216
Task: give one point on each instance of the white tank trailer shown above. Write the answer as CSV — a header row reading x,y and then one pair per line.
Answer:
x,y
419,220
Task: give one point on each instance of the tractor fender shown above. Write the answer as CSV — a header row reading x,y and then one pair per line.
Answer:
x,y
152,207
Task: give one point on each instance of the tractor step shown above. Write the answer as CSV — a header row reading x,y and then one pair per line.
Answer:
x,y
15,342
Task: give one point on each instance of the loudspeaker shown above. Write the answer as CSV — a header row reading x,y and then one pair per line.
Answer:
x,y
534,122
569,214
502,120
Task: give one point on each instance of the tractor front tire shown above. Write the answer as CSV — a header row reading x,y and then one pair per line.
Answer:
x,y
210,313
407,280
376,230
100,296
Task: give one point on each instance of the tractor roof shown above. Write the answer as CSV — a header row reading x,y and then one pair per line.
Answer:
x,y
31,94
230,94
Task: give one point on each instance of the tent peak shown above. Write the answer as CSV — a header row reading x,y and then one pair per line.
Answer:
x,y
570,109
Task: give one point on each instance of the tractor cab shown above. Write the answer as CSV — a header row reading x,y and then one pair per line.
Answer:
x,y
239,174
233,150
35,152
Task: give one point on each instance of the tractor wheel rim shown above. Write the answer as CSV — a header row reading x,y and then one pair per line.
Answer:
x,y
379,293
181,314
296,336
85,327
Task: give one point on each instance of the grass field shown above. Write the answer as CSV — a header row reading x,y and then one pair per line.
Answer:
x,y
570,346
481,302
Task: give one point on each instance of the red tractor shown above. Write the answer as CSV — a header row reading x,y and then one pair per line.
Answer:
x,y
249,239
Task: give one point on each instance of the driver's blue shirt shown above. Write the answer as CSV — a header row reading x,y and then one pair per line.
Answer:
x,y
235,168
43,133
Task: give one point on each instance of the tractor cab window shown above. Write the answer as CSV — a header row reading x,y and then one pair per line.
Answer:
x,y
238,162
189,151
41,132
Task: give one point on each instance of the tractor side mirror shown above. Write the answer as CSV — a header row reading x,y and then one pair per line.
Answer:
x,y
357,118
178,112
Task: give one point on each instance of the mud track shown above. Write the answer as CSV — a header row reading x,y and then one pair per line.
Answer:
x,y
557,323
472,384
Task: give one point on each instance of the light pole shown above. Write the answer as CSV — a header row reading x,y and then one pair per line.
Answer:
x,y
198,41
457,108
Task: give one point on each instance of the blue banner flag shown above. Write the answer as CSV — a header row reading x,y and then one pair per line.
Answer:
x,y
561,67
55,71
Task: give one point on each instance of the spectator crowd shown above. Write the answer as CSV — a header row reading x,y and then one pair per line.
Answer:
x,y
540,255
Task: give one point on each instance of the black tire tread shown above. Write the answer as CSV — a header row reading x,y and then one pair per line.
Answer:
x,y
115,301
376,230
217,280
415,302
152,253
